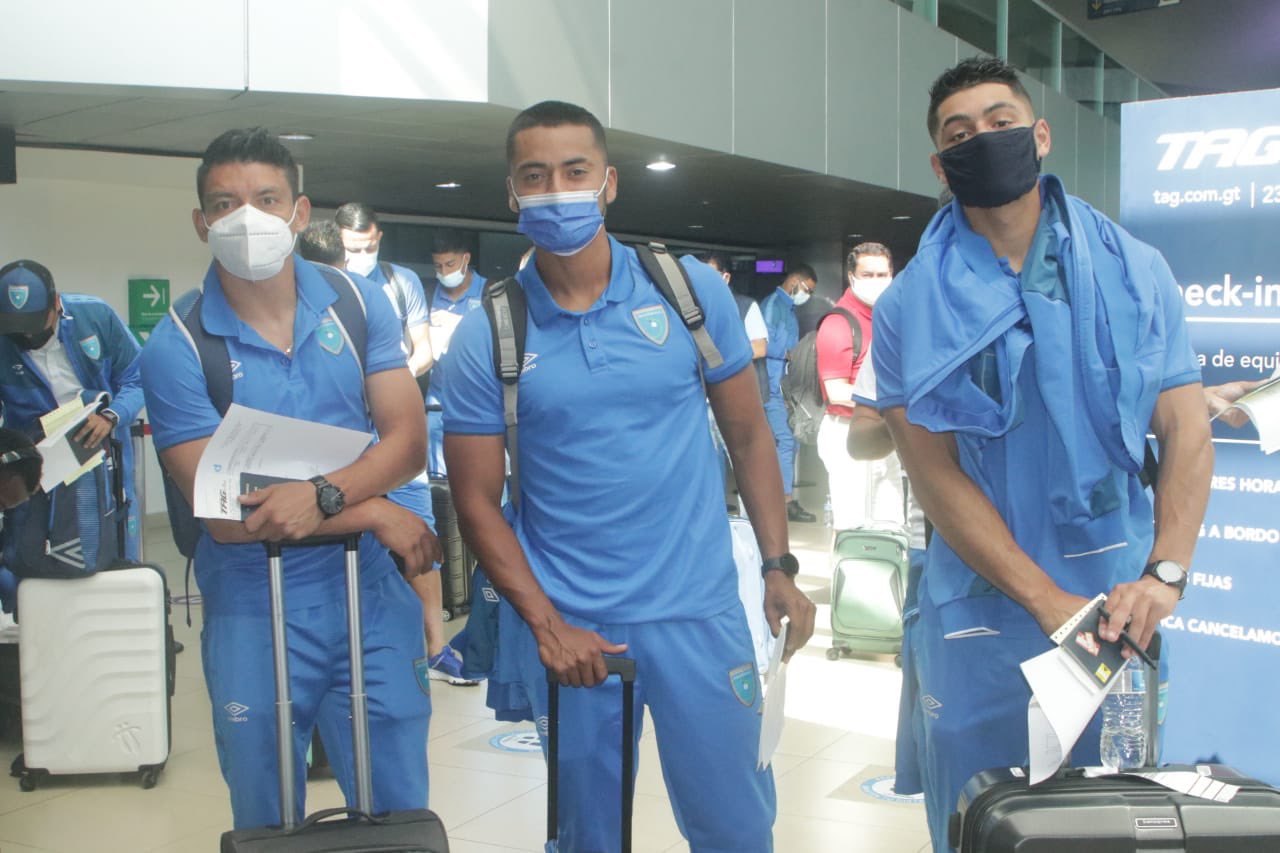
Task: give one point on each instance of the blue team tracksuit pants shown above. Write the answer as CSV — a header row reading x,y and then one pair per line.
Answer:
x,y
707,734
776,411
238,671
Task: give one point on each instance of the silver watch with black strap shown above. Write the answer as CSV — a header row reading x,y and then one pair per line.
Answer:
x,y
1169,573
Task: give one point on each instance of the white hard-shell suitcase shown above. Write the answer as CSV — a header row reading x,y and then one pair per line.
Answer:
x,y
95,656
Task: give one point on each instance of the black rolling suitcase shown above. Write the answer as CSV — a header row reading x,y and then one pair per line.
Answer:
x,y
999,812
459,562
624,668
340,830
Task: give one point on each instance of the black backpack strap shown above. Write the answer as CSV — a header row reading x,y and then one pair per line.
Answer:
x,y
504,303
210,350
349,311
673,281
855,329
390,273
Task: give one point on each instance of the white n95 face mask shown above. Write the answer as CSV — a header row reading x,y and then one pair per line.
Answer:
x,y
800,297
251,244
362,263
868,290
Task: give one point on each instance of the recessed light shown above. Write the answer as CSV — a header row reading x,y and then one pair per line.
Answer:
x,y
853,236
448,185
696,227
660,166
296,136
901,218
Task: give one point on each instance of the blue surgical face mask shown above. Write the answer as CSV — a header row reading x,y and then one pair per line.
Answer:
x,y
562,223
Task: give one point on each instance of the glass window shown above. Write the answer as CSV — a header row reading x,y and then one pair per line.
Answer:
x,y
973,21
1119,86
1080,69
1033,34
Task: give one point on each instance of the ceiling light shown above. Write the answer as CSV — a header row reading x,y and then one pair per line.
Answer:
x,y
901,218
853,236
296,136
660,166
696,227
448,185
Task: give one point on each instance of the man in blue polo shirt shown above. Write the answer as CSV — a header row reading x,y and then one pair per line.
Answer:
x,y
55,348
618,543
779,309
458,292
290,357
1021,358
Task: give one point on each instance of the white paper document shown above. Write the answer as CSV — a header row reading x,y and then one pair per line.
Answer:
x,y
1063,701
1188,782
775,700
1262,405
64,458
249,441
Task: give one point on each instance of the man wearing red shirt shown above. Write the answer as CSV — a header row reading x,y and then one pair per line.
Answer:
x,y
869,269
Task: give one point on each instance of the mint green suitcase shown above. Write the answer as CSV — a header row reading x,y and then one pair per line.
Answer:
x,y
868,586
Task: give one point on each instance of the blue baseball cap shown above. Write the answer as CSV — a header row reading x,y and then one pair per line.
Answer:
x,y
26,295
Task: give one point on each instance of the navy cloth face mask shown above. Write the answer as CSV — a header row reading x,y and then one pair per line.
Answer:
x,y
993,168
561,223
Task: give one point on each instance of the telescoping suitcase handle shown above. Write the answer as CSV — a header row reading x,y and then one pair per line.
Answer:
x,y
624,668
284,701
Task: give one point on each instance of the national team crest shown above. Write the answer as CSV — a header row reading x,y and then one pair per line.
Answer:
x,y
18,294
422,673
743,680
92,347
330,337
652,322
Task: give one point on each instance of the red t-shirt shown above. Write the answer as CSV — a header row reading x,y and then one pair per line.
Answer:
x,y
835,346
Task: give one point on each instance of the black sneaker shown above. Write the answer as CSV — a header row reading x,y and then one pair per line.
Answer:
x,y
795,512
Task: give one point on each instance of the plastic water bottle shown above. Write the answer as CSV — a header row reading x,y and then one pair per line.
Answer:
x,y
826,512
1124,730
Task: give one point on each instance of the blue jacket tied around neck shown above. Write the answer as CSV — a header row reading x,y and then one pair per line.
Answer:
x,y
1086,316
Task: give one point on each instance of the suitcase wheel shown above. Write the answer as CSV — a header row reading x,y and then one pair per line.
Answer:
x,y
446,615
833,653
28,783
897,661
150,776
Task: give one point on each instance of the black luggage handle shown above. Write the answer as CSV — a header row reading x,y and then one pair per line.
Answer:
x,y
625,669
323,816
280,655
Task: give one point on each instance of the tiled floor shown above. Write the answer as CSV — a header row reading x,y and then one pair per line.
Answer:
x,y
839,735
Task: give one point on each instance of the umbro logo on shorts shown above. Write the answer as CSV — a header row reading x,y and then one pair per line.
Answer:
x,y
236,712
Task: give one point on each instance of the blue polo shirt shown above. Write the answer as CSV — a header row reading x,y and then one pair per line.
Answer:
x,y
621,514
466,301
779,310
322,382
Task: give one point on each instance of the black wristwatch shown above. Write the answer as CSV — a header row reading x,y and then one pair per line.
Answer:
x,y
787,564
329,497
1169,573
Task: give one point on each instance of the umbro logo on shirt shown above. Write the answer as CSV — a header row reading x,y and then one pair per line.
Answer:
x,y
236,712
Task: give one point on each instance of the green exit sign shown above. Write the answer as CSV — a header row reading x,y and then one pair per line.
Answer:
x,y
148,302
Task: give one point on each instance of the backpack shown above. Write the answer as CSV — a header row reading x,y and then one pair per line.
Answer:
x,y
211,351
504,303
801,387
71,531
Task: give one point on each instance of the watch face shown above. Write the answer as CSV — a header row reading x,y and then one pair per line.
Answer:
x,y
789,564
1170,572
331,500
